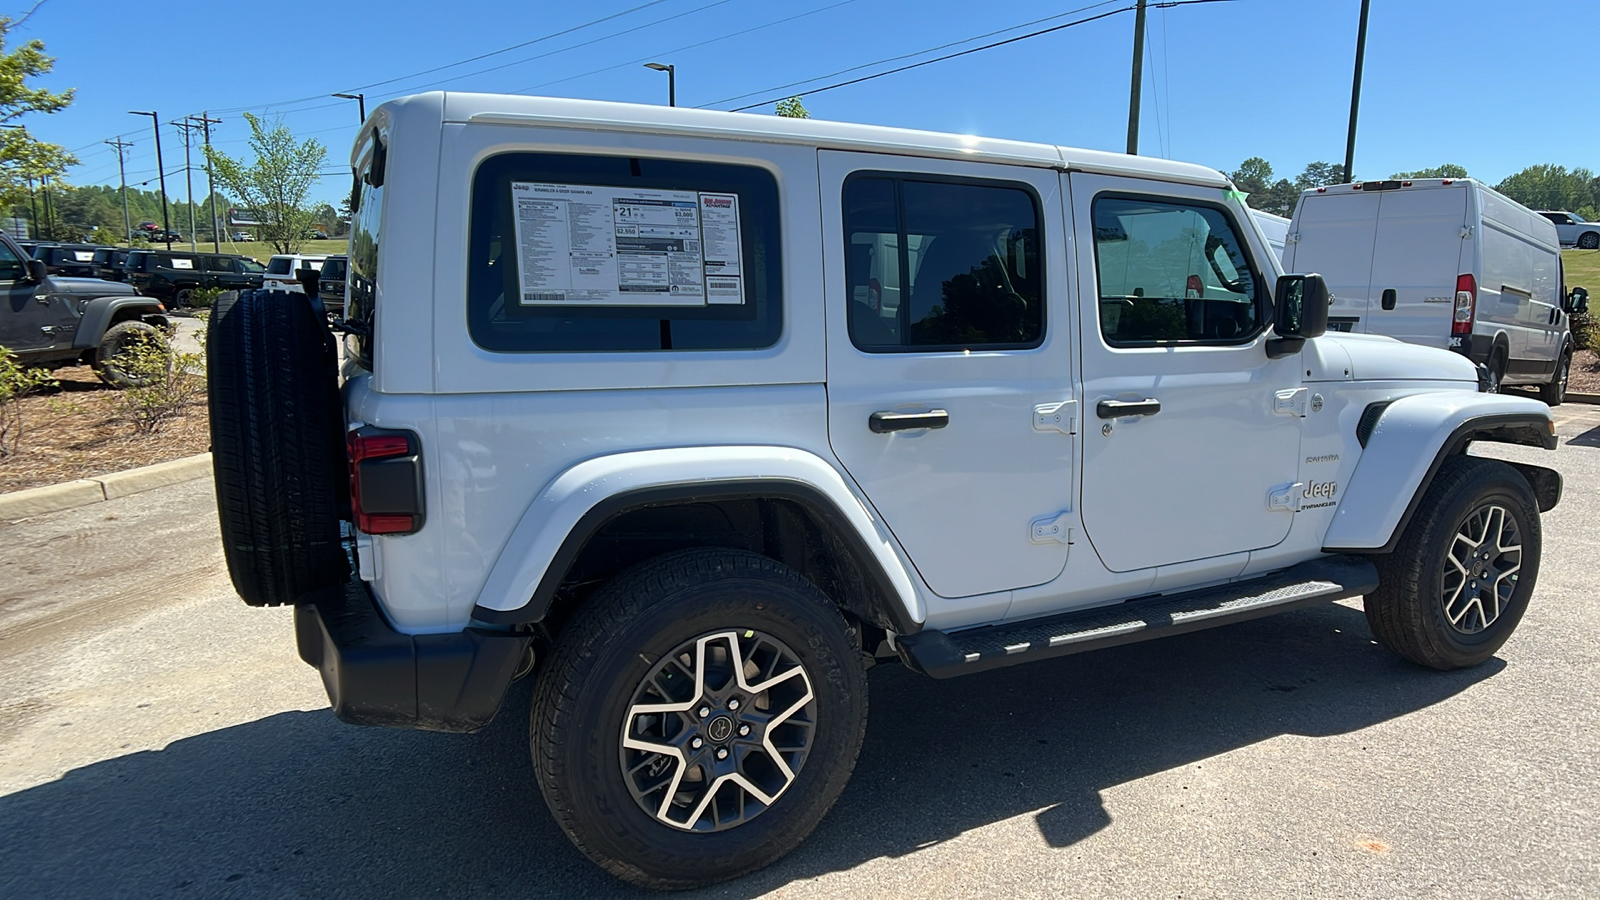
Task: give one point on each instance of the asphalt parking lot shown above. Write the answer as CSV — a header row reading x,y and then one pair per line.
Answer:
x,y
158,738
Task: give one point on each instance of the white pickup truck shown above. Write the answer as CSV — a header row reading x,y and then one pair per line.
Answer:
x,y
693,417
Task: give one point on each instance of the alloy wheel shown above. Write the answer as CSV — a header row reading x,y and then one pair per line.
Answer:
x,y
1481,569
718,730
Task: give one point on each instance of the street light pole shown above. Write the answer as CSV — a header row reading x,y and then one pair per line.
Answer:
x,y
672,79
361,103
1138,78
166,222
1355,92
122,177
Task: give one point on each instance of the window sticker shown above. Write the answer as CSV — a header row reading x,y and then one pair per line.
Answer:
x,y
183,263
588,245
83,255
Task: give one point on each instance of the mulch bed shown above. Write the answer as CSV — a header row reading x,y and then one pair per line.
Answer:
x,y
77,431
1585,373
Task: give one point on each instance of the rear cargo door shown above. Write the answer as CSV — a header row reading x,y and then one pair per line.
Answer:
x,y
1415,261
1332,235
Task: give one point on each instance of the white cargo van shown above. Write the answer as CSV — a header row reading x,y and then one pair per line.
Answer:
x,y
1443,262
1274,228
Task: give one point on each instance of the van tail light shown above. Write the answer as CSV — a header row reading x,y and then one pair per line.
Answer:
x,y
385,480
1466,305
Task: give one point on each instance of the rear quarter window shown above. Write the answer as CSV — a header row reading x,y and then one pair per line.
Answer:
x,y
594,253
278,265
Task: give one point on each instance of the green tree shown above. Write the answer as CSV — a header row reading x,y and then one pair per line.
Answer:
x,y
1318,174
792,108
1254,177
1448,170
276,183
1553,187
22,156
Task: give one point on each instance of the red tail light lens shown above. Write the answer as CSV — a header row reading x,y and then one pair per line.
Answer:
x,y
1466,306
385,481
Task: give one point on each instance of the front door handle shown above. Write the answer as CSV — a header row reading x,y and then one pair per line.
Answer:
x,y
1388,298
884,422
1116,409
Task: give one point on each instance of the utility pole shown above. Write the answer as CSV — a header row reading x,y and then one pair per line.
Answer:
x,y
49,217
33,210
211,193
155,122
1355,92
1138,75
122,176
188,176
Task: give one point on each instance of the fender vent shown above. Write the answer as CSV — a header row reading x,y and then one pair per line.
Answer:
x,y
1369,420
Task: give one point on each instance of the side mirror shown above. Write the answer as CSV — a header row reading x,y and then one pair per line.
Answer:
x,y
1577,301
308,279
37,272
1300,306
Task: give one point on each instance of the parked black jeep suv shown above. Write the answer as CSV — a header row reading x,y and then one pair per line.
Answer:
x,y
173,275
52,321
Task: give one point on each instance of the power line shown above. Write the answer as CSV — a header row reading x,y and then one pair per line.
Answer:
x,y
949,56
965,40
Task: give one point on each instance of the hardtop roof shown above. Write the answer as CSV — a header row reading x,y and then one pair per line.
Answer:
x,y
601,115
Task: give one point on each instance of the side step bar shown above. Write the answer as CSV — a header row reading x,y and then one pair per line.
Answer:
x,y
947,654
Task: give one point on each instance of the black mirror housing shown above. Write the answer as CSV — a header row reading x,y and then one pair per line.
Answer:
x,y
37,271
1577,301
1300,311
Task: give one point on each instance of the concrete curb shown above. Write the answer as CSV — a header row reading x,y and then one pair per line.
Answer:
x,y
1580,397
85,491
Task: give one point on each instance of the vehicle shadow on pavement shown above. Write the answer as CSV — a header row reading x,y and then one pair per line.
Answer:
x,y
299,804
1590,438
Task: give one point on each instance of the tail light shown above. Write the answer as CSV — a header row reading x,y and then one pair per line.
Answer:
x,y
385,480
1466,305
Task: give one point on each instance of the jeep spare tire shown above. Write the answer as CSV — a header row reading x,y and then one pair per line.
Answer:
x,y
277,446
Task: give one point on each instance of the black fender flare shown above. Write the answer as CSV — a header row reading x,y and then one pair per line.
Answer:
x,y
101,312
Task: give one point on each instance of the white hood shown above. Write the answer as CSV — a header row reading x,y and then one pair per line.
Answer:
x,y
1371,357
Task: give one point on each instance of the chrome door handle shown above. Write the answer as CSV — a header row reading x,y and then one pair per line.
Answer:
x,y
1116,409
883,422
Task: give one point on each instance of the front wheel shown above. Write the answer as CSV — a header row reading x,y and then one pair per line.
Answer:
x,y
698,717
1555,391
1458,582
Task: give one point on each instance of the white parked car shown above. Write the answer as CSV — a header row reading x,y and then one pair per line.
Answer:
x,y
281,268
1443,262
1573,230
699,415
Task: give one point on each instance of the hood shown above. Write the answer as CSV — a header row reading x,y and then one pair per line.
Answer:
x,y
1372,357
90,287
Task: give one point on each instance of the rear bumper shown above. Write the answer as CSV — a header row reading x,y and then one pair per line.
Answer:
x,y
1475,347
375,675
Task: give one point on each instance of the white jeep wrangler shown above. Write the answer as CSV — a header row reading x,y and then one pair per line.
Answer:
x,y
693,416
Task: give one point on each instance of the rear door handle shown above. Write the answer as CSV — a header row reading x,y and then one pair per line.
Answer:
x,y
1115,409
1388,298
884,422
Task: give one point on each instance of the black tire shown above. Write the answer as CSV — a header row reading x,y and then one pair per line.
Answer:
x,y
183,298
277,447
1589,240
122,337
1555,390
628,631
1410,611
1496,368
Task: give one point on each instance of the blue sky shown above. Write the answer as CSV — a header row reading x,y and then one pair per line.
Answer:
x,y
1489,84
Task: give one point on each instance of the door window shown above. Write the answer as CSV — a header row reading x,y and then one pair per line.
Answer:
x,y
1172,272
11,267
942,265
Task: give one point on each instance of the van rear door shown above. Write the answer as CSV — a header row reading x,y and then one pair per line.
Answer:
x,y
1415,261
1332,235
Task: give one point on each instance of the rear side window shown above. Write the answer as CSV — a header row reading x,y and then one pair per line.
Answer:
x,y
249,265
278,265
1172,272
598,253
942,265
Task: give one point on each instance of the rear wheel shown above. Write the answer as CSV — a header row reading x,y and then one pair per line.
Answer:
x,y
1458,582
183,298
1496,370
698,717
1554,392
1589,240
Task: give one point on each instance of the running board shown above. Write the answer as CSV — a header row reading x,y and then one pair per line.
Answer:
x,y
947,654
